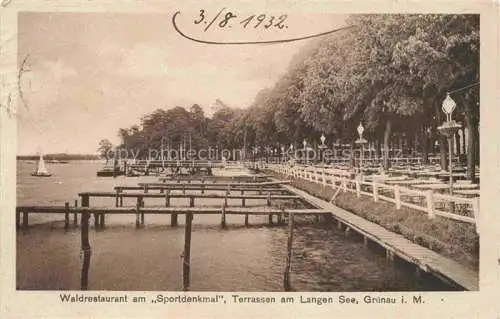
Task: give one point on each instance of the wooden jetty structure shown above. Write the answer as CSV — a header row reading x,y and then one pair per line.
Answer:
x,y
261,188
214,179
394,244
175,166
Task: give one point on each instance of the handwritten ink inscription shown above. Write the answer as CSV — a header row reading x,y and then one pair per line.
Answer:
x,y
228,19
261,23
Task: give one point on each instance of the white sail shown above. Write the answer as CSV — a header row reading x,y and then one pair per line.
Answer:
x,y
41,170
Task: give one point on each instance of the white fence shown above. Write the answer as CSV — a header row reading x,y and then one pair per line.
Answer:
x,y
429,202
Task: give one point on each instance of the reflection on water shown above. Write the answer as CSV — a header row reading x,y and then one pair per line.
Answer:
x,y
237,258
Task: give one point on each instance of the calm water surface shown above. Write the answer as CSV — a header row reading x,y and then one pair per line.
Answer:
x,y
234,259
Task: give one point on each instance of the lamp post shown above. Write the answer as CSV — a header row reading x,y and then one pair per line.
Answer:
x,y
449,129
322,148
162,161
361,141
304,142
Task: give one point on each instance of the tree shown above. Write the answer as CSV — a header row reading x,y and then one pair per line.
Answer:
x,y
105,146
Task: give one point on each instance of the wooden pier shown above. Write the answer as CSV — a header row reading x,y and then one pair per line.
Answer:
x,y
214,179
394,244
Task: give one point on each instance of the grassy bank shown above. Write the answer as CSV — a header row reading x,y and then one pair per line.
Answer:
x,y
452,239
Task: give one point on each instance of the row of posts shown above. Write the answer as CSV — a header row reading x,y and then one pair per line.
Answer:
x,y
100,221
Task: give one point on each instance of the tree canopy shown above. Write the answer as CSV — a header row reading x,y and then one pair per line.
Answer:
x,y
390,72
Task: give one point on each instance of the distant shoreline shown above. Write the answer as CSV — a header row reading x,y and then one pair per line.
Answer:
x,y
59,157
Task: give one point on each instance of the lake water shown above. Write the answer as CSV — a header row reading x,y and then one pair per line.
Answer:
x,y
237,258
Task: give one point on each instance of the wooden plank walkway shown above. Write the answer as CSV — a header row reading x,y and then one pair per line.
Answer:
x,y
424,258
249,185
158,195
169,210
206,187
239,178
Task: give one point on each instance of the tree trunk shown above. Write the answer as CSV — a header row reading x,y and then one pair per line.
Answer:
x,y
378,148
401,152
464,150
476,142
471,154
387,134
472,140
425,146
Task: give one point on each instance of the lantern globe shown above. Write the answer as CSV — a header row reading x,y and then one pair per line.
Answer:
x,y
448,105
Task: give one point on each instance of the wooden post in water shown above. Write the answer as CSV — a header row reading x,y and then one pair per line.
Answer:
x,y
347,231
66,216
167,198
203,186
18,219
268,200
142,212
85,245
186,266
85,200
117,197
389,255
96,220
75,215
223,217
137,210
25,220
288,265
191,201
173,216
246,219
102,221
270,219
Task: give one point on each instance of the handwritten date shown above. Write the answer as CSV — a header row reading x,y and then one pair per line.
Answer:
x,y
262,20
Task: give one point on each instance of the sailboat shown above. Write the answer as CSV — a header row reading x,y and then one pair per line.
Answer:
x,y
41,170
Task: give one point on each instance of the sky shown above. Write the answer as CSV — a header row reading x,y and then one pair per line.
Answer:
x,y
89,74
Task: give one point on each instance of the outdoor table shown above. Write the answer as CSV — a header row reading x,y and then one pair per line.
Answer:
x,y
386,178
442,186
468,192
412,182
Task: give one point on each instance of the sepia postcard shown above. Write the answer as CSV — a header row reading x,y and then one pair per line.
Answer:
x,y
189,159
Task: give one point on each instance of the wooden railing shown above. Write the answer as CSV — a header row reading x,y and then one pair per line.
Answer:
x,y
429,202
